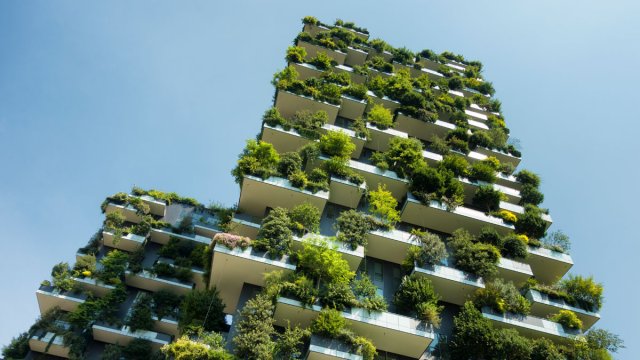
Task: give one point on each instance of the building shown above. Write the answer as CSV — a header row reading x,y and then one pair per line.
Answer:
x,y
404,159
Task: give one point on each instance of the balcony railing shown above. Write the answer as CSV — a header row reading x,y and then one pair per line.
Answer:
x,y
547,265
151,282
515,271
289,103
122,335
531,326
321,348
49,343
390,332
543,305
129,242
452,285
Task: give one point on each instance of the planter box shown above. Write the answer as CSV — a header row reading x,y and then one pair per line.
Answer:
x,y
245,225
513,270
345,193
355,78
51,344
162,237
355,57
147,281
352,108
288,104
123,336
547,265
328,349
389,245
390,104
98,288
531,327
129,242
380,138
422,129
129,212
48,298
313,50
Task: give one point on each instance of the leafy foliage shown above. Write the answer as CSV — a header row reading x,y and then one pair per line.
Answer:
x,y
380,116
383,204
202,308
255,330
416,296
353,228
503,297
275,234
258,158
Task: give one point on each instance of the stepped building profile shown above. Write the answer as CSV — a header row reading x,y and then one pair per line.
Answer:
x,y
382,215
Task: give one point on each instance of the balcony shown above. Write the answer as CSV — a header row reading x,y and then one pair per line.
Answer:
x,y
129,212
471,187
96,287
245,225
50,297
355,77
289,103
515,271
122,335
547,265
231,269
257,195
314,29
355,57
385,101
166,325
386,55
389,245
353,256
389,332
345,193
330,349
205,225
129,242
290,140
422,129
454,286
306,70
197,273
162,236
49,343
380,138
313,50
352,108
531,327
435,216
156,207
148,281
508,181
500,155
543,305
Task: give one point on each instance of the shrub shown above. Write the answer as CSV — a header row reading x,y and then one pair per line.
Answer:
x,y
61,275
358,91
275,234
403,55
258,158
584,291
18,348
329,322
140,317
477,258
383,205
113,267
404,155
298,179
366,294
205,346
603,339
507,216
380,116
502,297
458,144
531,223
199,305
337,143
439,145
557,241
568,319
290,163
164,303
364,347
255,330
296,54
417,296
529,194
308,123
322,263
338,296
457,164
431,249
544,349
305,216
352,228
379,160
322,61
138,349
482,172
529,178
514,247
489,235
487,198
311,20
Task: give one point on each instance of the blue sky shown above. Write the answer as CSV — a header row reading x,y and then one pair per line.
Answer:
x,y
98,96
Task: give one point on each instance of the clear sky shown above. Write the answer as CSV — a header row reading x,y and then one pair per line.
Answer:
x,y
98,96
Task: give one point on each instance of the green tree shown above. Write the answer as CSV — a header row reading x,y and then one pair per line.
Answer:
x,y
383,204
323,263
404,155
275,234
380,116
141,317
305,217
329,322
337,143
255,330
353,228
296,54
202,308
258,158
